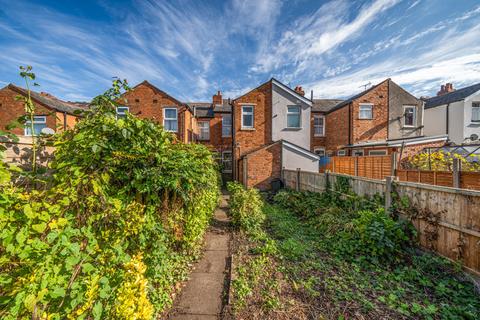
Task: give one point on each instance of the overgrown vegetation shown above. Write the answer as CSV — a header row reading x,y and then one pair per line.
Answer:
x,y
338,256
442,161
114,226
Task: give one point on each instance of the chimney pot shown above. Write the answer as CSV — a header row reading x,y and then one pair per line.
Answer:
x,y
445,88
299,90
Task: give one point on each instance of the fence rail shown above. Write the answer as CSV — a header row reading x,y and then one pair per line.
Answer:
x,y
457,229
380,167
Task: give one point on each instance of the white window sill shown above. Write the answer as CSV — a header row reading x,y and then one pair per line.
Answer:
x,y
409,127
293,128
247,129
319,135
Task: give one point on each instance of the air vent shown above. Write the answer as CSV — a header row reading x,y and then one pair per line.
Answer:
x,y
155,100
137,100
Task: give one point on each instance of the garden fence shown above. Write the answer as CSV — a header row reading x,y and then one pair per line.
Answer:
x,y
448,221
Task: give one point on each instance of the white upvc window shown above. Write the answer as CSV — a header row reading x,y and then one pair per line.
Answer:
x,y
170,119
341,153
293,117
382,152
318,126
203,130
39,123
357,153
365,111
475,111
122,111
227,161
247,117
226,125
320,151
409,116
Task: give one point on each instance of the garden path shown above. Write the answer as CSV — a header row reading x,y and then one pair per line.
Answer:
x,y
204,294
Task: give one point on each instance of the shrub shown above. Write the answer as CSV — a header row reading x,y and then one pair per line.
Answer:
x,y
376,237
246,208
122,220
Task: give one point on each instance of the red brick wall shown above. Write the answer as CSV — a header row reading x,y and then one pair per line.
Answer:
x,y
11,110
217,142
375,129
263,166
336,130
147,103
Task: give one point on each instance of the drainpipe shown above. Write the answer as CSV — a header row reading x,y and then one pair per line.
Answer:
x,y
447,124
64,121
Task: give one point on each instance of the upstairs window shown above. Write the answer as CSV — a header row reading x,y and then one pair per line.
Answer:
x,y
293,117
170,119
122,112
475,111
318,126
39,123
410,116
204,130
226,125
366,111
247,117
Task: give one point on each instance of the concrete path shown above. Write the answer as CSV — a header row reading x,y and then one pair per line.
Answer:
x,y
203,296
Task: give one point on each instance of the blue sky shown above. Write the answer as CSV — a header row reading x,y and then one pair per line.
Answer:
x,y
191,49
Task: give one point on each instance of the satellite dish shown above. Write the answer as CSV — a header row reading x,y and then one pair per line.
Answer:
x,y
474,136
48,131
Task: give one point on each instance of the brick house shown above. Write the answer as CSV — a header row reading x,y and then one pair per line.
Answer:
x,y
50,112
320,108
147,101
213,127
271,130
378,121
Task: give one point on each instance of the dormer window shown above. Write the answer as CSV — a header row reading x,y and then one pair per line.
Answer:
x,y
366,111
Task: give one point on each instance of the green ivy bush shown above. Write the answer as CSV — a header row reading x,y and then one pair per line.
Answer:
x,y
246,208
123,217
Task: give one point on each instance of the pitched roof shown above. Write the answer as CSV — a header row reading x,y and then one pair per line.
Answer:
x,y
52,102
453,96
358,95
224,107
324,105
203,112
207,109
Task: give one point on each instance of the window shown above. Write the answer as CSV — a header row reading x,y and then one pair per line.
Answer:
x,y
247,117
377,152
357,153
318,126
226,125
341,153
170,121
475,111
204,130
39,123
122,112
319,151
227,161
366,111
293,116
409,116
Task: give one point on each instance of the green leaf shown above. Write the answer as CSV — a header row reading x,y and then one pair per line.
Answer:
x,y
27,210
57,292
97,310
95,148
39,227
88,267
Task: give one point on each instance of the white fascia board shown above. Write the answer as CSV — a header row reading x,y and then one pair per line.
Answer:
x,y
300,150
292,92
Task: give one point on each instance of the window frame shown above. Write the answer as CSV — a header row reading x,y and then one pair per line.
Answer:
x,y
318,116
249,113
170,119
320,149
121,114
223,161
299,114
207,138
414,119
364,104
476,105
227,126
358,150
341,153
27,125
377,150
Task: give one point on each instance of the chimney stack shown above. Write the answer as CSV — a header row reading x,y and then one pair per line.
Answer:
x,y
299,90
446,88
217,98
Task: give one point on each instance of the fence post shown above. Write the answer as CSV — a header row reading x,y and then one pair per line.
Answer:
x,y
456,173
394,163
355,164
298,180
388,193
327,174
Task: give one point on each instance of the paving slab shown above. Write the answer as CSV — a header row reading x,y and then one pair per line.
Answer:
x,y
217,242
195,317
212,262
